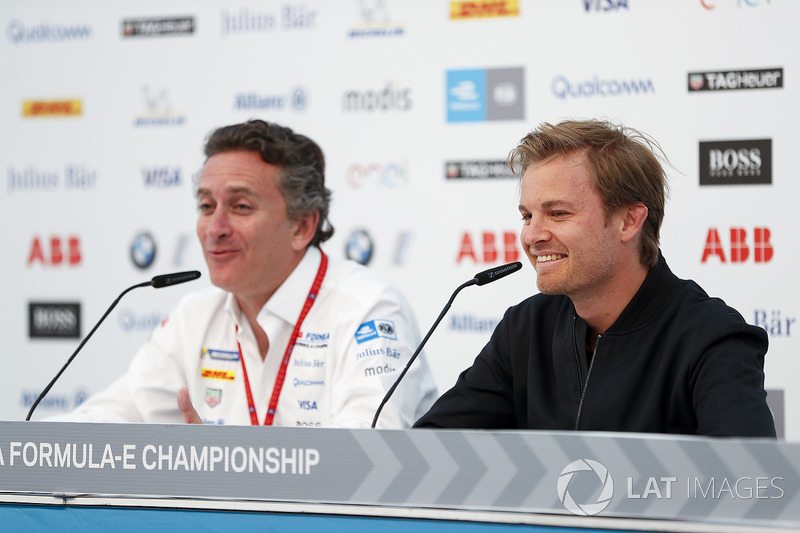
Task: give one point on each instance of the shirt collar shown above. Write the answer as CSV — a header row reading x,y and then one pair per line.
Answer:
x,y
288,300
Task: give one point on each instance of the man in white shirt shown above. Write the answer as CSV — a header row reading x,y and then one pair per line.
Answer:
x,y
287,337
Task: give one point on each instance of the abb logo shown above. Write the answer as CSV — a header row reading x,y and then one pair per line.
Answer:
x,y
740,249
492,246
55,251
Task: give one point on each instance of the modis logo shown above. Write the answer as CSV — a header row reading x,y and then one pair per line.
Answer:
x,y
732,80
52,108
61,251
736,162
488,247
739,251
485,9
393,97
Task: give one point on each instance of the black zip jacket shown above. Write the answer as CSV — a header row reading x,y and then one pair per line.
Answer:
x,y
675,361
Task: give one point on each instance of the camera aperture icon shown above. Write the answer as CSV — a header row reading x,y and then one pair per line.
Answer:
x,y
603,476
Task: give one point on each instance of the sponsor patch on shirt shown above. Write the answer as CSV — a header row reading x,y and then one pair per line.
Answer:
x,y
219,355
374,329
213,397
224,375
297,382
313,340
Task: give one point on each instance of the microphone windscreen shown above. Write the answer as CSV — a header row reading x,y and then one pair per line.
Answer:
x,y
165,280
493,274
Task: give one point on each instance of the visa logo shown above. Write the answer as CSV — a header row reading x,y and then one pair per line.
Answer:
x,y
162,177
306,405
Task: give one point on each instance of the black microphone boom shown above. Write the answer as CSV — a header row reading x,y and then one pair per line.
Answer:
x,y
164,280
482,278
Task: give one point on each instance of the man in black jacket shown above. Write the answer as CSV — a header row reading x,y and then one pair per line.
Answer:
x,y
614,341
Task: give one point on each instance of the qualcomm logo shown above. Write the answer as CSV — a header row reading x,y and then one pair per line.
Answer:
x,y
581,483
588,88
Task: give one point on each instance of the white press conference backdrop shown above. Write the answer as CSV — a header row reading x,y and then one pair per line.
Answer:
x,y
104,107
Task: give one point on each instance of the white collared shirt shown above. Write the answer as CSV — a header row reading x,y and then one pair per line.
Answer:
x,y
353,344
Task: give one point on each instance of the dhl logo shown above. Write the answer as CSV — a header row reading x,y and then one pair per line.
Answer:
x,y
51,108
485,9
224,375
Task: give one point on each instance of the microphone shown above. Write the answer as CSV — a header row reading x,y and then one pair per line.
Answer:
x,y
164,280
481,278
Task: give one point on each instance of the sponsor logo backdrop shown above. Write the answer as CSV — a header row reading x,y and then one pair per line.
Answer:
x,y
104,108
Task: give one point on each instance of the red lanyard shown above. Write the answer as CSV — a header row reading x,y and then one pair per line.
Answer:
x,y
276,391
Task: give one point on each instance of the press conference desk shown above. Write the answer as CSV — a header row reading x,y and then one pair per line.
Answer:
x,y
128,477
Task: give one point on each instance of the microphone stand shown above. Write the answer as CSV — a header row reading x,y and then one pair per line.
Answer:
x,y
164,280
419,348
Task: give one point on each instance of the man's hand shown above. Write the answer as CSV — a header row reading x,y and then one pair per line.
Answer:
x,y
190,416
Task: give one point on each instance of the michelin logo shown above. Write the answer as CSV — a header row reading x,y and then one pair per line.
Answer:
x,y
219,355
374,329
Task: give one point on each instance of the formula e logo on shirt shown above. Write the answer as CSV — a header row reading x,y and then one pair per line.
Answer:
x,y
306,405
220,355
374,329
313,340
224,375
213,397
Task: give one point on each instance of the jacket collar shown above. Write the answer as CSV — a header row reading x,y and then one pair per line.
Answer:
x,y
649,299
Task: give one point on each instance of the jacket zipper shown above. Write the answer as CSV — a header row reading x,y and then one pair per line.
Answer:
x,y
586,385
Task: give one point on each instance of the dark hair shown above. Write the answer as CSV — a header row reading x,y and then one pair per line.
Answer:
x,y
623,162
302,166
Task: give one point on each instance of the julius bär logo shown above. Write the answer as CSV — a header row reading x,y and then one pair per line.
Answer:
x,y
571,478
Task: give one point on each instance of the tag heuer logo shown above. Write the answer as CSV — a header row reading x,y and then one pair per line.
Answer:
x,y
213,397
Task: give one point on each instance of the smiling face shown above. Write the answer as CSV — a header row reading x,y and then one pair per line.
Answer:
x,y
566,236
249,243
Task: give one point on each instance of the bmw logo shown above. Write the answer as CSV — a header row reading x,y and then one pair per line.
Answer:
x,y
143,250
359,247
